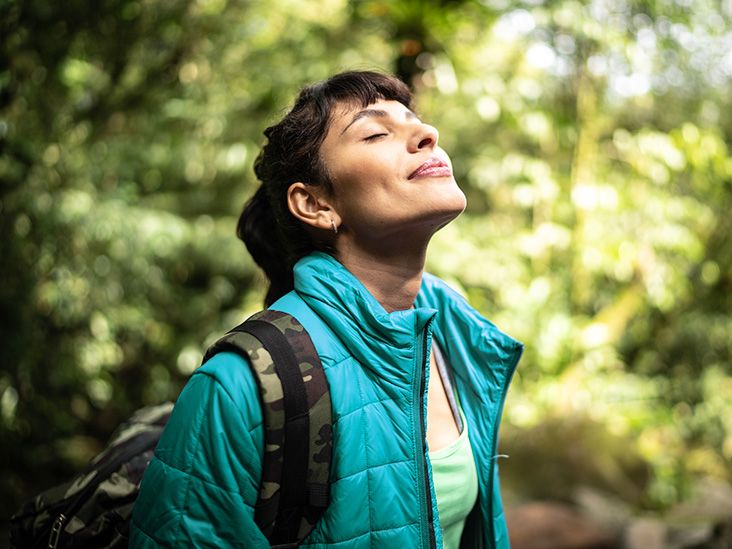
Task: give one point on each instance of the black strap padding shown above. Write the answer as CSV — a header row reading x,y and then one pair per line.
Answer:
x,y
297,428
318,495
298,500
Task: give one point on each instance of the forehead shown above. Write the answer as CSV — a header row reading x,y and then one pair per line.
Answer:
x,y
344,112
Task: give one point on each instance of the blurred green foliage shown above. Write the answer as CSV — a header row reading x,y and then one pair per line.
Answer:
x,y
591,140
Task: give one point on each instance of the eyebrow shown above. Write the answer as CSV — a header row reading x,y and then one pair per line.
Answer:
x,y
375,113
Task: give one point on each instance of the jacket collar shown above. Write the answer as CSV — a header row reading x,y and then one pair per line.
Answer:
x,y
482,357
383,342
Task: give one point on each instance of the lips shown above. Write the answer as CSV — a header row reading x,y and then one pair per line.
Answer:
x,y
434,167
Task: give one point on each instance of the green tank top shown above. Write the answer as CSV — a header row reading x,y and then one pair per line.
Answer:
x,y
456,486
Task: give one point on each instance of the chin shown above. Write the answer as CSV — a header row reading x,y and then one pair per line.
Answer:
x,y
448,216
447,211
457,201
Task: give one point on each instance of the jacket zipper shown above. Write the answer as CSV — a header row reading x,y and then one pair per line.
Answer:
x,y
428,533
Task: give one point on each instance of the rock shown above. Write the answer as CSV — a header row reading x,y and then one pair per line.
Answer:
x,y
645,533
552,525
712,502
603,507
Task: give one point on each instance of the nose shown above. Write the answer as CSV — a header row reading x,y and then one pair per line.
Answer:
x,y
423,137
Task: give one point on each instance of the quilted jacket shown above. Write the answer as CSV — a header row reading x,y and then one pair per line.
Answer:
x,y
204,479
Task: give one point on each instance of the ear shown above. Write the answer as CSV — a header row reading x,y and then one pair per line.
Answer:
x,y
308,204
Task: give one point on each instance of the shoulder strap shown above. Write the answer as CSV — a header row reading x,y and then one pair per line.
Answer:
x,y
296,409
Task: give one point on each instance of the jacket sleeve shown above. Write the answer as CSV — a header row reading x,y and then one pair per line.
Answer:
x,y
201,487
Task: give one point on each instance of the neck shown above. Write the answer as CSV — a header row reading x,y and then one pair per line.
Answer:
x,y
393,278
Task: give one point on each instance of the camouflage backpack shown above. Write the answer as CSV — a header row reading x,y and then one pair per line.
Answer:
x,y
94,508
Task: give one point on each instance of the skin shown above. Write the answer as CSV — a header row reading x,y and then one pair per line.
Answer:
x,y
384,213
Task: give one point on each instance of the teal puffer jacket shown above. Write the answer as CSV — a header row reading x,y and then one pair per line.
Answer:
x,y
200,488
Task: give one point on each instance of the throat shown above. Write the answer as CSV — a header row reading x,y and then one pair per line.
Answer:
x,y
394,282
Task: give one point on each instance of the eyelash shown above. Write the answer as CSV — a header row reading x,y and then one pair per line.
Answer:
x,y
375,136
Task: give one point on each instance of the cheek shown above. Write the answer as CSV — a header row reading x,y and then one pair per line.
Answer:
x,y
353,196
365,178
357,180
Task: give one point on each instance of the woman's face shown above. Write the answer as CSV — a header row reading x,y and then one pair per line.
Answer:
x,y
389,175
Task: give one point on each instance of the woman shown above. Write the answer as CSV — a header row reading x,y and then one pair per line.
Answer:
x,y
354,185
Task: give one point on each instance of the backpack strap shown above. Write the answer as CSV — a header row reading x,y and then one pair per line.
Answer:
x,y
296,408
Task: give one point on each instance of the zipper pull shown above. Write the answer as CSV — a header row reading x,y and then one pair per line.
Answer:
x,y
56,529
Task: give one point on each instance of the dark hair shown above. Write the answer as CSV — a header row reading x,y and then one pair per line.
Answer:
x,y
274,237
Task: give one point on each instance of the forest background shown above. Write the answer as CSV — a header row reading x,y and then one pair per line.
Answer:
x,y
592,140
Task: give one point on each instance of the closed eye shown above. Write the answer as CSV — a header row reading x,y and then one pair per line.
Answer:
x,y
374,136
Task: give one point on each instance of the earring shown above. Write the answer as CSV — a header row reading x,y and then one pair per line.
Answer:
x,y
333,225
